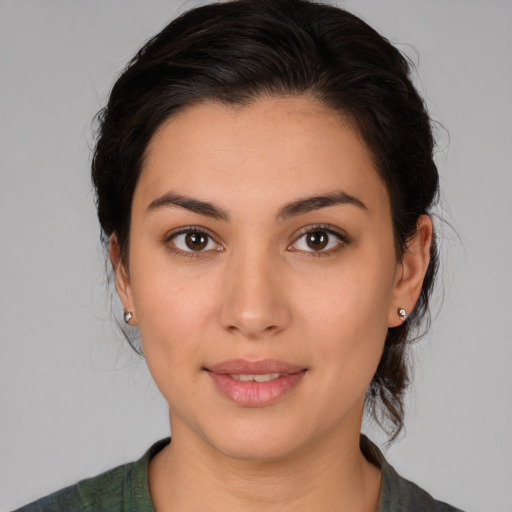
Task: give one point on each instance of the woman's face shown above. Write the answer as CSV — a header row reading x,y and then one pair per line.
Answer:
x,y
262,275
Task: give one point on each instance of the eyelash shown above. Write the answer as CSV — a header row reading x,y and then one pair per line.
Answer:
x,y
343,240
186,230
324,228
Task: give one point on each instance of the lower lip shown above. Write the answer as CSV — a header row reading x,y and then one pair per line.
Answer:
x,y
255,394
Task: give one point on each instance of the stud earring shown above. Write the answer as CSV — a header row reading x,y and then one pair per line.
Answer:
x,y
402,313
128,315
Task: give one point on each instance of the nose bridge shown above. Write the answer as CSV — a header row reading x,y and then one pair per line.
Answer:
x,y
254,304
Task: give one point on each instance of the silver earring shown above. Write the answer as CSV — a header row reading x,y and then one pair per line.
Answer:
x,y
402,313
128,315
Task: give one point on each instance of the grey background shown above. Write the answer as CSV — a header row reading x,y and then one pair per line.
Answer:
x,y
74,401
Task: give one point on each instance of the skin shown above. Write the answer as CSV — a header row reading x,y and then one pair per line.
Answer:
x,y
257,291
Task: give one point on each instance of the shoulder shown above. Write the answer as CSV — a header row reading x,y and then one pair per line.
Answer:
x,y
405,495
397,493
120,489
103,492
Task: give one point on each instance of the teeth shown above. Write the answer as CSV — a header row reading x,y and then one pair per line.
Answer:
x,y
256,378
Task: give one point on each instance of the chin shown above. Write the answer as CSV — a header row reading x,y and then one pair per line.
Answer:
x,y
256,449
266,440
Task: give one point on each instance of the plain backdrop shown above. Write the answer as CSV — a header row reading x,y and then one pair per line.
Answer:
x,y
75,401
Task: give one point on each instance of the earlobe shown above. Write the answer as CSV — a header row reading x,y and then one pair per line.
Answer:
x,y
414,263
122,279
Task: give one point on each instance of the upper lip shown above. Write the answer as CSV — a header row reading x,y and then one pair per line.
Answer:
x,y
245,367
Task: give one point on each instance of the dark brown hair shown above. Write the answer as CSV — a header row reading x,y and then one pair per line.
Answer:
x,y
234,52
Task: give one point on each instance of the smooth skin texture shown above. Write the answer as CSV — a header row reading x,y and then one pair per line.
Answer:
x,y
247,281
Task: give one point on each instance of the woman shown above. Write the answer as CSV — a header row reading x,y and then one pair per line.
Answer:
x,y
264,178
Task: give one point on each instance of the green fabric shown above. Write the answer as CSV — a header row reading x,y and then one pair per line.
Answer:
x,y
126,489
121,489
398,494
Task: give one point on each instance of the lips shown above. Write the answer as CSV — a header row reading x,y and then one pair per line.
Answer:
x,y
255,383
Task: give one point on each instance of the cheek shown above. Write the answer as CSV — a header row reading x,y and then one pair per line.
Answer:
x,y
164,292
173,306
172,316
348,347
351,334
172,311
355,295
346,313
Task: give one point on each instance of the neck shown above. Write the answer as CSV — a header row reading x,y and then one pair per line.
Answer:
x,y
332,475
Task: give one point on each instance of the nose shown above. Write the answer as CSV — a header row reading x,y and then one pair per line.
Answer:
x,y
254,300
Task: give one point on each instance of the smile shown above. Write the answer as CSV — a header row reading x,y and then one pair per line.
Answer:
x,y
256,378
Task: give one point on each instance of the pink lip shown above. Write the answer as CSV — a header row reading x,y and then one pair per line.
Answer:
x,y
255,394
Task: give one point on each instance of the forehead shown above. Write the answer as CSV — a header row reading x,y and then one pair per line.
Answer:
x,y
280,148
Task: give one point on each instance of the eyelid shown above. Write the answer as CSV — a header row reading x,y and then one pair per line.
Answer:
x,y
189,229
327,228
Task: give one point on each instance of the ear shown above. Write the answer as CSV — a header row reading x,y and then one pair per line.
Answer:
x,y
414,265
122,278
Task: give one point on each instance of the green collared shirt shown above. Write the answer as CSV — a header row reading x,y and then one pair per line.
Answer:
x,y
126,489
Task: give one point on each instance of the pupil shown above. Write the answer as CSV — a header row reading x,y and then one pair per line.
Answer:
x,y
196,241
317,240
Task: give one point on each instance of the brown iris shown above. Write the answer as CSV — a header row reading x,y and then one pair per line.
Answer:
x,y
317,240
196,241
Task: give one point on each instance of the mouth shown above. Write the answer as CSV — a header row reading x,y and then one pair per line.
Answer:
x,y
255,378
255,383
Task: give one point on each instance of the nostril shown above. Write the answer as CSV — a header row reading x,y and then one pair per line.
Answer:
x,y
253,331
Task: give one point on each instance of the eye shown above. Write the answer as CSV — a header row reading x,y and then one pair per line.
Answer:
x,y
319,240
192,240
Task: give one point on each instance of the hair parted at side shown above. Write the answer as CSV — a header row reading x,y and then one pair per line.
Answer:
x,y
237,51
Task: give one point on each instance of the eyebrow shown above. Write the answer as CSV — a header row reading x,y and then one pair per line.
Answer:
x,y
309,204
298,207
171,200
